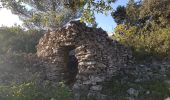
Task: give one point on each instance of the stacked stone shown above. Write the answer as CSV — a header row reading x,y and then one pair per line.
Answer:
x,y
99,57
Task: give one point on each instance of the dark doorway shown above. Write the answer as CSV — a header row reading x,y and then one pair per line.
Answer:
x,y
72,66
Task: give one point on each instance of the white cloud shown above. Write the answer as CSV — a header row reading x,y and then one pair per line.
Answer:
x,y
8,19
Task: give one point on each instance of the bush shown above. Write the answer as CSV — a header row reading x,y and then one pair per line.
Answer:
x,y
32,91
145,44
18,40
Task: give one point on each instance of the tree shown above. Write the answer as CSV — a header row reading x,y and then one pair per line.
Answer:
x,y
144,26
53,13
132,12
145,13
16,39
156,11
119,15
128,14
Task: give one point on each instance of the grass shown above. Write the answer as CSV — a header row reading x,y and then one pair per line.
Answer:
x,y
32,91
158,89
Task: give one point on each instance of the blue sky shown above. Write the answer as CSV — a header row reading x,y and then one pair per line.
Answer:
x,y
105,22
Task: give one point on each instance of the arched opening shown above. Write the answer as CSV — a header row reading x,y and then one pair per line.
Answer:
x,y
71,68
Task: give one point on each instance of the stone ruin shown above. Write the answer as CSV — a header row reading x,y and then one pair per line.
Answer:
x,y
82,57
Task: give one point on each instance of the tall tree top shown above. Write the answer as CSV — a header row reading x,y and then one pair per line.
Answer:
x,y
45,14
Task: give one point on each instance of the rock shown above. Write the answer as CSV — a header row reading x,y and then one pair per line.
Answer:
x,y
87,63
167,98
148,92
133,92
96,88
87,82
130,98
96,79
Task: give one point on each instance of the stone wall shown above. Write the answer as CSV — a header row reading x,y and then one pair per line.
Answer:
x,y
98,56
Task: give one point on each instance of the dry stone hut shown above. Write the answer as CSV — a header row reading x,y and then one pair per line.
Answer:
x,y
82,56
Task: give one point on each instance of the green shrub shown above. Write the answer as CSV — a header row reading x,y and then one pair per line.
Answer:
x,y
144,44
18,40
32,91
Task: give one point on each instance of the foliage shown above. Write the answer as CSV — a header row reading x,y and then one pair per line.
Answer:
x,y
156,43
143,13
49,14
157,11
19,40
127,15
93,6
119,15
123,33
144,26
153,89
33,91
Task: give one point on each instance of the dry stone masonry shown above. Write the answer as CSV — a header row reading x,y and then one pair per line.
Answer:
x,y
82,57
